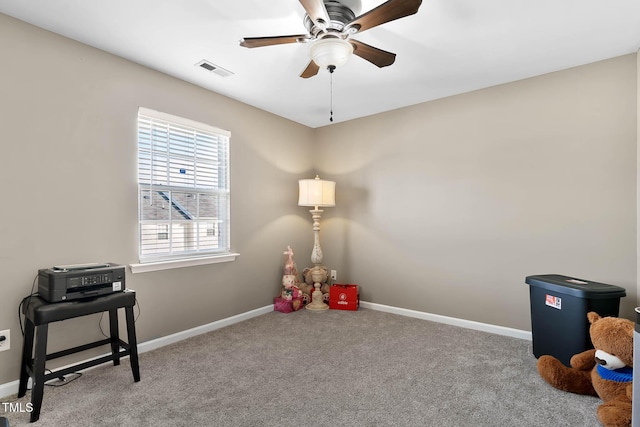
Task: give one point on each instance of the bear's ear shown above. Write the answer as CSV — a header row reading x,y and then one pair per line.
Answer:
x,y
593,317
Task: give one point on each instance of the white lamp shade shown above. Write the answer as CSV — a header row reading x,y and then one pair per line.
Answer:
x,y
316,192
330,51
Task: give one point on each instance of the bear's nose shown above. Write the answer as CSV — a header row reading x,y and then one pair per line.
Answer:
x,y
601,361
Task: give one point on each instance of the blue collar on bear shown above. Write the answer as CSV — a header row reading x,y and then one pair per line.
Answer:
x,y
622,375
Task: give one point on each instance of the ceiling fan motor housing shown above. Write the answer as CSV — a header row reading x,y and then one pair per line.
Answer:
x,y
339,16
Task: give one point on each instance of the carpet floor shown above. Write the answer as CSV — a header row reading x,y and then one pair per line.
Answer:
x,y
334,368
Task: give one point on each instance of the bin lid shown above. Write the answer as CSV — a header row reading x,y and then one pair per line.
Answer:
x,y
575,287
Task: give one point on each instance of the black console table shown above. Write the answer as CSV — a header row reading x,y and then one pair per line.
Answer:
x,y
39,313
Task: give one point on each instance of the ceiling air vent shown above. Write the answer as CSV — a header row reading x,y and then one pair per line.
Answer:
x,y
216,69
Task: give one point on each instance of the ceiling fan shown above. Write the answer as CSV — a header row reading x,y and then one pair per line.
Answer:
x,y
330,25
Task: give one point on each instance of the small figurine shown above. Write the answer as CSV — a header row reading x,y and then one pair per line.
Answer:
x,y
290,265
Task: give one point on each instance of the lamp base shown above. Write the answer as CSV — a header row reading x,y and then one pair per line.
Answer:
x,y
316,303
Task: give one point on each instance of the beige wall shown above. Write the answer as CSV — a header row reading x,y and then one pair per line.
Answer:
x,y
68,148
443,207
638,173
446,206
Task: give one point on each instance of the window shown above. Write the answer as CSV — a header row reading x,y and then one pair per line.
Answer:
x,y
183,188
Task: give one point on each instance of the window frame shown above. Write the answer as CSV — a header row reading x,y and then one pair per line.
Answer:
x,y
191,253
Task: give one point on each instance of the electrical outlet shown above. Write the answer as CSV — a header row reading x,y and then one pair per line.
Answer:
x,y
5,340
334,275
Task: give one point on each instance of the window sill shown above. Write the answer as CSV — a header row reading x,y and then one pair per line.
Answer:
x,y
179,263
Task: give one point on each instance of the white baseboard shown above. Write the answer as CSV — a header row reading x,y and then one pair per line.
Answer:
x,y
11,388
469,324
179,336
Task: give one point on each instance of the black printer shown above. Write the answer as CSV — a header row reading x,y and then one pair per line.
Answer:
x,y
72,282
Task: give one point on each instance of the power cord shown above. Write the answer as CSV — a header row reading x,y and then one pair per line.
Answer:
x,y
26,301
137,304
62,380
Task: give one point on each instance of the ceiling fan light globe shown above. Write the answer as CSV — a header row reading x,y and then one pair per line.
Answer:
x,y
330,52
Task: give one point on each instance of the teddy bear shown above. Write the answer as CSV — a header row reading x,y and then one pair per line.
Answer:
x,y
290,290
604,371
308,285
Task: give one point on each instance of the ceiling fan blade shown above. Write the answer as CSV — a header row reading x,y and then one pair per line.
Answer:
x,y
316,11
376,56
386,12
270,41
311,70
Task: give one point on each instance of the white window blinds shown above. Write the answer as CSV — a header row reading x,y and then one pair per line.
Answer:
x,y
183,180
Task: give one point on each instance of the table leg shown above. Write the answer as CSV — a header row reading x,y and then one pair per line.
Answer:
x,y
38,370
133,344
27,354
115,337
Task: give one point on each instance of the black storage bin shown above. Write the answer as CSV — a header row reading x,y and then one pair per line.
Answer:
x,y
559,307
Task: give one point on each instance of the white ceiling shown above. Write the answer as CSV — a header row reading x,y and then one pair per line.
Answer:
x,y
448,47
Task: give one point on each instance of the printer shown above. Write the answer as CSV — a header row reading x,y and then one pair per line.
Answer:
x,y
73,282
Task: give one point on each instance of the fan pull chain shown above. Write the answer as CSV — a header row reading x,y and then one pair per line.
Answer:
x,y
331,68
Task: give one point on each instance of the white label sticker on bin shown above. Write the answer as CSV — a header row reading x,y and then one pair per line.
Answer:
x,y
555,302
